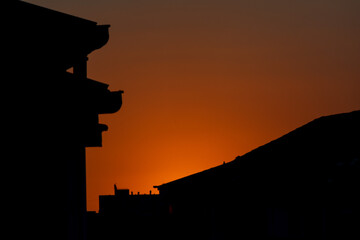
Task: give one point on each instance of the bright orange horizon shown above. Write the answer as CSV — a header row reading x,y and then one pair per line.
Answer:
x,y
208,80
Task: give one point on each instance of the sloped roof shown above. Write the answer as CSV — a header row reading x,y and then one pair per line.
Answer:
x,y
315,149
48,36
39,14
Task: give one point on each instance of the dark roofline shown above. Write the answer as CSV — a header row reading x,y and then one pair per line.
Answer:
x,y
54,13
198,174
268,145
58,37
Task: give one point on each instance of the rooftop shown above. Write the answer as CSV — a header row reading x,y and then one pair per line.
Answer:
x,y
316,146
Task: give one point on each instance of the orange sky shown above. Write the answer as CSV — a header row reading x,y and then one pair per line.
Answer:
x,y
208,80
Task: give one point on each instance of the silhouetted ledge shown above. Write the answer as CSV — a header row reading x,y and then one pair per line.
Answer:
x,y
98,96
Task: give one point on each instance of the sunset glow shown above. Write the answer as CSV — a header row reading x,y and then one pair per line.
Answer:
x,y
206,81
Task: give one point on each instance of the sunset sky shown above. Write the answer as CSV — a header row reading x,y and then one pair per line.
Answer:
x,y
208,80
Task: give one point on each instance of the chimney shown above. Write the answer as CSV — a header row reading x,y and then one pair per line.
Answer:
x,y
115,189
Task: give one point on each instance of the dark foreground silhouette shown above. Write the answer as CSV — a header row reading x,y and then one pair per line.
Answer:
x,y
303,185
51,116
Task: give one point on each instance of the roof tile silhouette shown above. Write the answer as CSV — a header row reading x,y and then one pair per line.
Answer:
x,y
313,152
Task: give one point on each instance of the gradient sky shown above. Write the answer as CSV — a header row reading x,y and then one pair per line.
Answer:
x,y
208,80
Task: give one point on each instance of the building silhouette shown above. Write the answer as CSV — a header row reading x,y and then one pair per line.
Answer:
x,y
126,216
303,185
126,204
51,111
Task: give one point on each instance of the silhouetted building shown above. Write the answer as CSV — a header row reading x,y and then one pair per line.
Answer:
x,y
303,185
52,113
122,203
125,216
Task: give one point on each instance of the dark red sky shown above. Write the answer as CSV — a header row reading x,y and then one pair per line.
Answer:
x,y
207,80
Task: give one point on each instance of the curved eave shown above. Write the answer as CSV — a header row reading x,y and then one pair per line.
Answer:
x,y
101,37
112,102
